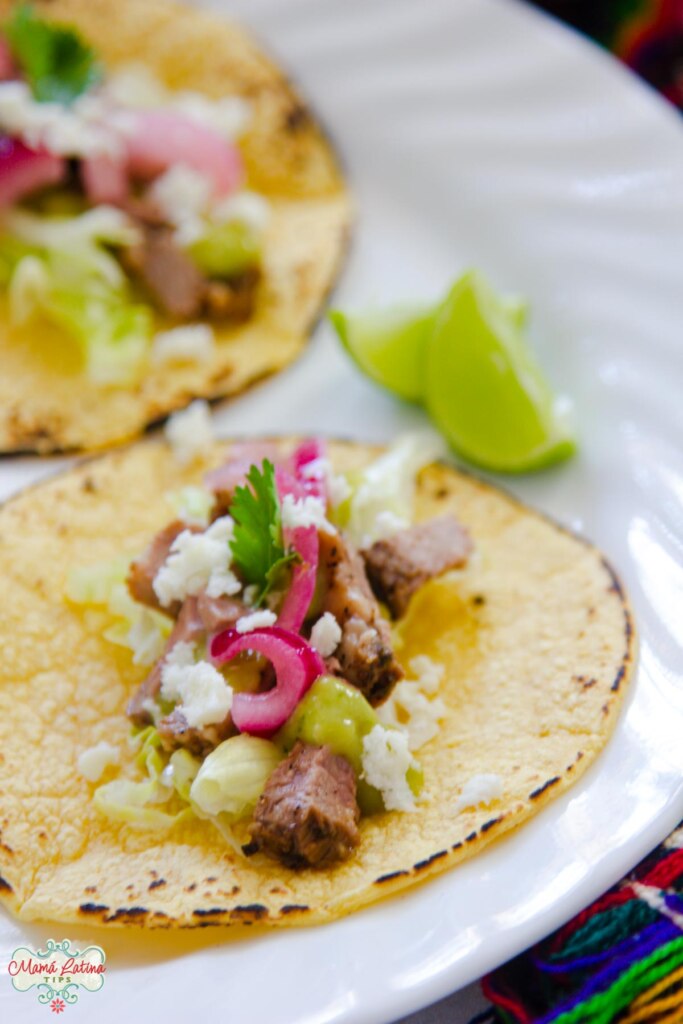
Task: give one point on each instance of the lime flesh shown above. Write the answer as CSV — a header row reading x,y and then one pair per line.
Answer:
x,y
483,387
388,346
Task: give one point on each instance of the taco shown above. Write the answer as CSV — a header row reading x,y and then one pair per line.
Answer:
x,y
283,680
171,217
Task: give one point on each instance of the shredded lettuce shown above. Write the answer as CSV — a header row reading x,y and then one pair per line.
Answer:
x,y
185,768
127,801
383,495
232,777
92,584
137,627
60,268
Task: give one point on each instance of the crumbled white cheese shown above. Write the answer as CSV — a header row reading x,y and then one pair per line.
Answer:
x,y
78,130
257,620
409,710
386,759
388,523
382,502
480,789
326,635
308,511
338,487
93,762
248,208
203,696
193,343
427,672
184,195
198,560
190,431
222,582
133,85
145,638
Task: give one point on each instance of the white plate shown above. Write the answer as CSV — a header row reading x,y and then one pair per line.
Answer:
x,y
476,132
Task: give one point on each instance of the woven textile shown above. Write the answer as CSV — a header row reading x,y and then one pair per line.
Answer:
x,y
646,34
620,960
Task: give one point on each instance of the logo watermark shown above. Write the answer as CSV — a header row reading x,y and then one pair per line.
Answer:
x,y
58,972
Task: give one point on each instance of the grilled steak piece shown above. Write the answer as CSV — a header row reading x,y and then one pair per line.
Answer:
x,y
189,628
176,284
174,732
307,816
364,654
199,616
143,571
172,279
232,299
219,613
399,565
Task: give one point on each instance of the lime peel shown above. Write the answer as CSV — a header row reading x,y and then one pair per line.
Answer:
x,y
468,362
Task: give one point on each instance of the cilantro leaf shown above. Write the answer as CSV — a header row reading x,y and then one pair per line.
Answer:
x,y
57,63
257,546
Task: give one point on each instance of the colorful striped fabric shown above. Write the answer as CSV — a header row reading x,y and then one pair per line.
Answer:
x,y
620,960
646,34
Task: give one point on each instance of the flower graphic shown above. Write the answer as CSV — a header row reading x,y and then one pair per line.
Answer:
x,y
58,1005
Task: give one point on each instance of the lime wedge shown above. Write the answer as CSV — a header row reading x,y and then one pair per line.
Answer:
x,y
483,387
388,346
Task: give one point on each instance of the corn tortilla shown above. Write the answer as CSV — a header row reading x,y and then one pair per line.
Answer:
x,y
535,635
46,402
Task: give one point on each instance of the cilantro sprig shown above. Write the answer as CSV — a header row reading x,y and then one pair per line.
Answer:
x,y
56,62
257,546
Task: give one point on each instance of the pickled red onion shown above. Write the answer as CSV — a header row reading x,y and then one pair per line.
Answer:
x,y
162,138
297,665
307,452
298,598
304,540
23,170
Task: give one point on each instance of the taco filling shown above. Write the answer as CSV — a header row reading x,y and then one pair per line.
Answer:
x,y
125,220
265,612
274,682
172,217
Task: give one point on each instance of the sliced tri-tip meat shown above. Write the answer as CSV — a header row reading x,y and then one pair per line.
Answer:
x,y
199,617
364,655
188,628
232,299
175,732
169,275
144,569
401,564
219,613
307,815
175,283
